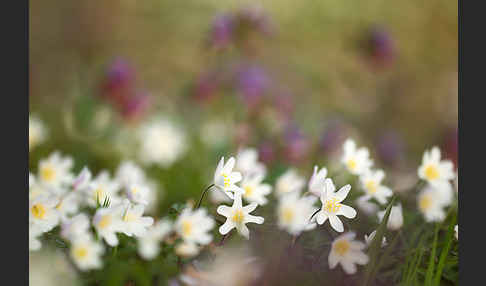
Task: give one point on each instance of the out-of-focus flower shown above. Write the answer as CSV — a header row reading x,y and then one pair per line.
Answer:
x,y
161,142
237,216
332,207
55,171
390,148
266,152
34,241
431,203
225,179
187,249
371,183
129,173
348,252
247,163
379,46
68,204
356,160
456,232
138,193
255,191
206,86
37,132
108,221
369,239
137,105
83,180
149,243
297,146
252,83
193,226
333,137
317,181
221,33
119,80
75,227
294,213
395,220
133,221
86,253
437,172
288,182
100,189
43,214
366,206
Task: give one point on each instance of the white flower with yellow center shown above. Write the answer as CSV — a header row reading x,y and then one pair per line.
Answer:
x,y
55,171
225,179
34,241
187,249
255,191
86,253
37,132
68,204
356,160
149,243
371,183
332,207
288,182
133,221
247,163
294,213
431,203
369,239
395,220
36,189
75,227
129,173
100,189
317,181
161,142
42,212
193,226
107,222
347,252
437,172
237,216
138,193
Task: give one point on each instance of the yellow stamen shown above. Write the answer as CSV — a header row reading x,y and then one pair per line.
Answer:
x,y
39,211
105,221
226,180
332,206
80,252
186,228
425,202
431,172
371,186
48,173
352,164
238,216
341,247
288,215
248,191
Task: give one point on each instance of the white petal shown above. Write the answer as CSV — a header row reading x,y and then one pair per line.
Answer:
x,y
254,219
249,208
224,210
346,211
244,231
342,193
333,260
359,257
321,217
348,266
336,223
226,227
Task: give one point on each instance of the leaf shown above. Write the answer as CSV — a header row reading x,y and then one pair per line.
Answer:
x,y
430,268
445,251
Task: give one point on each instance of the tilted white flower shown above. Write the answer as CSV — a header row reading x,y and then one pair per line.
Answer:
x,y
129,173
42,212
107,222
369,239
138,193
247,163
149,243
255,191
133,221
101,188
371,183
431,203
237,216
193,226
86,253
395,220
161,142
55,171
348,252
317,181
456,232
356,160
37,131
225,179
34,241
437,172
366,206
75,227
294,213
288,182
332,207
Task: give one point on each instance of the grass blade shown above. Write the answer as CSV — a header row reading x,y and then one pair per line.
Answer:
x,y
430,268
445,251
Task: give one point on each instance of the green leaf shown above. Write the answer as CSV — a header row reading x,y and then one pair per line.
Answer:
x,y
430,268
445,251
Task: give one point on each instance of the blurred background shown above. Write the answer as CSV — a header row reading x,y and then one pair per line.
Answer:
x,y
292,79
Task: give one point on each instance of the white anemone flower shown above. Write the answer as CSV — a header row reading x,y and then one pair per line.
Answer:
x,y
149,243
237,216
194,226
294,213
129,173
68,204
138,193
161,142
225,178
369,239
431,203
288,182
356,160
255,191
437,172
75,227
133,221
102,187
332,207
316,182
37,132
347,252
86,253
371,183
42,212
55,171
395,220
107,222
247,163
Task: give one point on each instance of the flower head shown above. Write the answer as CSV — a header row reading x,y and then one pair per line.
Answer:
x,y
255,191
247,163
348,252
237,216
316,182
133,222
148,244
294,213
225,179
290,181
332,207
431,203
356,160
55,171
75,227
107,222
86,253
193,226
437,172
371,183
100,189
43,214
395,220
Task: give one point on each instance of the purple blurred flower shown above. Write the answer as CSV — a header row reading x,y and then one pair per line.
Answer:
x,y
252,82
380,46
266,152
390,148
136,106
334,135
222,31
206,86
119,76
297,145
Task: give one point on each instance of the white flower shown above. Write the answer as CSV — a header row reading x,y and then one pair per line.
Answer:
x,y
194,226
37,132
225,179
366,206
348,252
31,180
371,183
288,182
456,232
161,142
294,213
255,191
55,171
86,253
431,203
138,193
332,207
395,220
129,173
247,163
133,221
369,239
42,212
316,182
68,204
34,242
100,189
217,196
83,180
148,244
437,173
75,227
356,160
108,221
237,216
187,249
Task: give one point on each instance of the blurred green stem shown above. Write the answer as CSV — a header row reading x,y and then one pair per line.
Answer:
x,y
203,194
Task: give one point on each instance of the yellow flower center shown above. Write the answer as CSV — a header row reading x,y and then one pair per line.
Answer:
x,y
248,191
425,202
80,252
341,247
226,180
431,172
128,217
332,206
371,186
238,216
288,215
39,211
48,173
105,221
352,164
186,228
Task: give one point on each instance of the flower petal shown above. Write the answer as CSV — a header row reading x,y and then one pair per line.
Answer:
x,y
226,227
346,211
336,223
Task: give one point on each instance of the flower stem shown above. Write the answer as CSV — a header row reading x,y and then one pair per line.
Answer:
x,y
203,194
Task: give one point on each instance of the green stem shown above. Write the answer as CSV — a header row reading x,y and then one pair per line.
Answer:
x,y
203,194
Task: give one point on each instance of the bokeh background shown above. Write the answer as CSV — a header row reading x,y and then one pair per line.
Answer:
x,y
290,78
